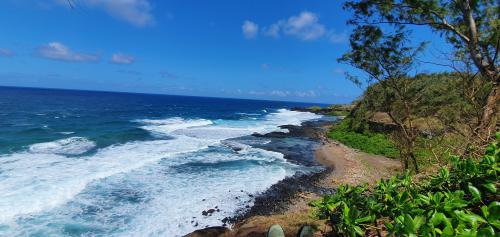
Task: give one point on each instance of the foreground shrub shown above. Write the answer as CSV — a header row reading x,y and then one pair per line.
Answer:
x,y
461,200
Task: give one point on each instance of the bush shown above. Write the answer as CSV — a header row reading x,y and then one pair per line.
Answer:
x,y
370,142
461,200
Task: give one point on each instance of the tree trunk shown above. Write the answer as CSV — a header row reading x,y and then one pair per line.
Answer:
x,y
487,124
403,158
411,152
414,160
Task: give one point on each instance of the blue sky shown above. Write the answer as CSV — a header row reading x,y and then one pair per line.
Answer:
x,y
257,49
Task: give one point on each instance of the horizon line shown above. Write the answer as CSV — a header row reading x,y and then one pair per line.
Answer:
x,y
160,94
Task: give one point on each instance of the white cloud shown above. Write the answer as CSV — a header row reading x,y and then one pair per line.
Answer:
x,y
284,93
135,12
309,93
305,26
119,58
256,92
6,52
59,51
250,29
274,29
279,93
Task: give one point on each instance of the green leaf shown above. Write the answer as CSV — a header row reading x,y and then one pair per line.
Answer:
x,y
494,210
332,206
359,231
424,199
363,219
470,218
418,221
486,232
490,187
438,218
475,192
454,201
409,225
448,231
346,212
467,233
485,211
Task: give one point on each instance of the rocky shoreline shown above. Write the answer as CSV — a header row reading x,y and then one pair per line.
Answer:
x,y
298,146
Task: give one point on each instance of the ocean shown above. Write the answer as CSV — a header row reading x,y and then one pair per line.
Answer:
x,y
82,163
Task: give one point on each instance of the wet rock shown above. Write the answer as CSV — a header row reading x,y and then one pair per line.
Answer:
x,y
208,212
209,232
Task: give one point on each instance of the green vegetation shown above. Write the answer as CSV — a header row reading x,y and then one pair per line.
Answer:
x,y
314,108
332,110
370,142
442,121
461,200
338,113
434,110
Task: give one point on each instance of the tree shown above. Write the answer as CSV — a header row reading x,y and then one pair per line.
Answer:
x,y
471,26
387,59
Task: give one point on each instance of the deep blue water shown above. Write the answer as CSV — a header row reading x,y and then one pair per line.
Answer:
x,y
82,163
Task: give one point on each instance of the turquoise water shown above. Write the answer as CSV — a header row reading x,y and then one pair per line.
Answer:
x,y
79,163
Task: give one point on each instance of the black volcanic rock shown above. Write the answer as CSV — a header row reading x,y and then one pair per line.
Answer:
x,y
209,232
208,212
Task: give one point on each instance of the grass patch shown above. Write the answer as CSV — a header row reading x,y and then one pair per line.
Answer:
x,y
369,142
438,150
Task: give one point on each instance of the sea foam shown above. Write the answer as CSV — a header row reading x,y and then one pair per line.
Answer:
x,y
166,126
67,146
190,162
38,181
